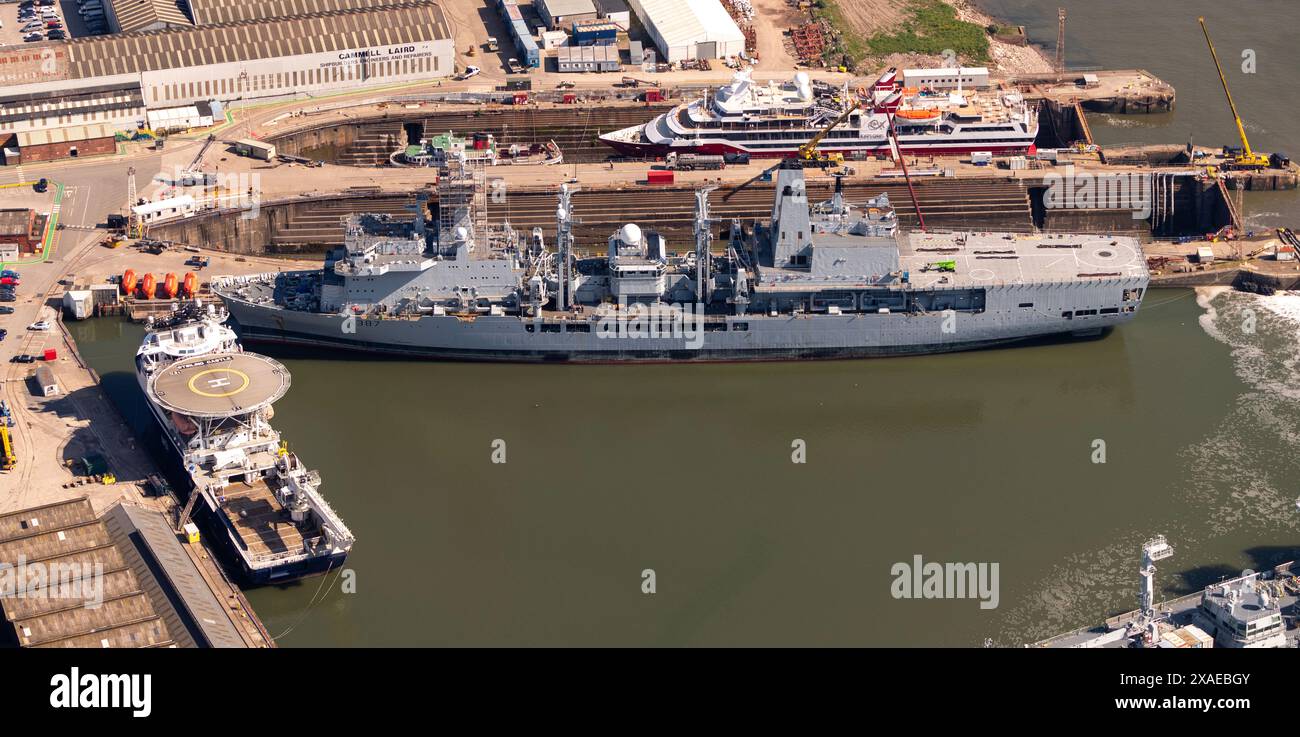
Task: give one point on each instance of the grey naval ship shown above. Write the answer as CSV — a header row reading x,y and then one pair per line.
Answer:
x,y
818,281
260,504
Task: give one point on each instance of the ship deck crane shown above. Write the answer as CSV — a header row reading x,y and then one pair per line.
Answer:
x,y
1247,158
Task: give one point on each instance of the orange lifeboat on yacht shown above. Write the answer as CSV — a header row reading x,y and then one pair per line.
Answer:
x,y
919,115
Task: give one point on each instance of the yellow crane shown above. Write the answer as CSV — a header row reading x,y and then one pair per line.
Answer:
x,y
808,151
7,458
1247,158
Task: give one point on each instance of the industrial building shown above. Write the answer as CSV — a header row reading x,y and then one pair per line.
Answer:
x,y
690,29
225,50
124,581
17,227
947,78
60,143
616,12
558,14
602,58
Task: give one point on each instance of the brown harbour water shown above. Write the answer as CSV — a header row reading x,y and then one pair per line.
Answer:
x,y
686,470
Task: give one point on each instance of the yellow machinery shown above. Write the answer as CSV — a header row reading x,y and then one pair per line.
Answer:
x,y
1247,159
7,458
809,153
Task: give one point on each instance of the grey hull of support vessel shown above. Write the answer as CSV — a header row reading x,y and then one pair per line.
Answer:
x,y
822,281
789,337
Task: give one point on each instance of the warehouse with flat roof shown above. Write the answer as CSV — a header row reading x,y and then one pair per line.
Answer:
x,y
690,29
233,50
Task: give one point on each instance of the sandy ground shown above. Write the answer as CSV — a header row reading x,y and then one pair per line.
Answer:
x,y
772,18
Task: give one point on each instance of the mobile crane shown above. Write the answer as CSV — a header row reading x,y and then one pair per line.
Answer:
x,y
1247,159
808,153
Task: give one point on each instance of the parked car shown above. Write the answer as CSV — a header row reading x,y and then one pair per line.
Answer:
x,y
6,310
23,358
11,272
33,37
9,281
39,325
3,333
8,297
56,34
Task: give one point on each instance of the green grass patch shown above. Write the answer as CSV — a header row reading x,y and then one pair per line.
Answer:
x,y
933,28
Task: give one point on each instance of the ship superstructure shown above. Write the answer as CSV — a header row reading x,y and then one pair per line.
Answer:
x,y
213,402
1254,610
823,280
947,112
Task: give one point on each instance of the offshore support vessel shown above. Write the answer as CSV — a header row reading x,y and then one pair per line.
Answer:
x,y
260,503
824,280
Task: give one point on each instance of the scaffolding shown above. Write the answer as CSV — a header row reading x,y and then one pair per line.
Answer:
x,y
462,201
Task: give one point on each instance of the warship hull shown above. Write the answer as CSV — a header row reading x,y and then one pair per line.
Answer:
x,y
734,338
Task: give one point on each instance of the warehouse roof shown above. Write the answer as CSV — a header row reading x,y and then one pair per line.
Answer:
x,y
209,12
166,572
561,8
139,15
337,30
65,135
97,601
689,21
15,222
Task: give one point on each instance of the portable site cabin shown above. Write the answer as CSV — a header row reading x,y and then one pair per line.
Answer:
x,y
46,383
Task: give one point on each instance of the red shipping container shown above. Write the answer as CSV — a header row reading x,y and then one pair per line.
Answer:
x,y
659,176
653,95
51,354
521,98
570,98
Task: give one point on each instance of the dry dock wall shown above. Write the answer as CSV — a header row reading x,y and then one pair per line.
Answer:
x,y
314,224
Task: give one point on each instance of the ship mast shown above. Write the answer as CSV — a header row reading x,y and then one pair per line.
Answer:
x,y
703,237
564,244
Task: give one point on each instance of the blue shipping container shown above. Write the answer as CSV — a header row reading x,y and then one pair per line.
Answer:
x,y
594,33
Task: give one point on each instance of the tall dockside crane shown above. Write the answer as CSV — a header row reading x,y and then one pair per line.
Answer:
x,y
1247,159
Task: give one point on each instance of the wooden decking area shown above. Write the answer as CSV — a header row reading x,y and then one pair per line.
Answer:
x,y
263,525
